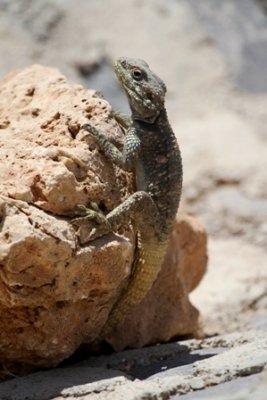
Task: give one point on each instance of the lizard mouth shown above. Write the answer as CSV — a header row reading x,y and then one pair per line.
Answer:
x,y
124,77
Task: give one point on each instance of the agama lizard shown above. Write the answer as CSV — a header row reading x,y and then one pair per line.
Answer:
x,y
152,153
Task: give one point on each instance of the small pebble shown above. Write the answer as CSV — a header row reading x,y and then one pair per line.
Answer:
x,y
197,383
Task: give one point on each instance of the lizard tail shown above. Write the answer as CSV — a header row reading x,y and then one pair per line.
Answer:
x,y
147,266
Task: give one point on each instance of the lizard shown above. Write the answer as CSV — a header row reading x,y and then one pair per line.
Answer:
x,y
152,153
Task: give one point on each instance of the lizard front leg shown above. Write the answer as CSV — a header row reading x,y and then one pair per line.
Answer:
x,y
139,207
124,160
111,152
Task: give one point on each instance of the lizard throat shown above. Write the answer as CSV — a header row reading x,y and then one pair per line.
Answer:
x,y
140,108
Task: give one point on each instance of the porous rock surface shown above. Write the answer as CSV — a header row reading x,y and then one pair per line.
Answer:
x,y
56,293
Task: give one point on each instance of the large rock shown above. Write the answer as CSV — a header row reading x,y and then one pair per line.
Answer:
x,y
56,293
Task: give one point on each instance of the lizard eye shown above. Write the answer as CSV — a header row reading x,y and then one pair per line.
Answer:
x,y
137,74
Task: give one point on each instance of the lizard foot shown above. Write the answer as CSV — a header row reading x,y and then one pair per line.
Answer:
x,y
91,224
91,129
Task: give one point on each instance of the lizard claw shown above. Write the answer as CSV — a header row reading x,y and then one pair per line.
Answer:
x,y
91,129
92,216
93,234
82,209
87,127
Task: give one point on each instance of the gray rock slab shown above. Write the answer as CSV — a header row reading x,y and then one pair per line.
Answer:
x,y
180,365
243,360
48,384
223,390
172,369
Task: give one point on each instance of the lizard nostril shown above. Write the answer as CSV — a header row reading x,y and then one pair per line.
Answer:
x,y
123,63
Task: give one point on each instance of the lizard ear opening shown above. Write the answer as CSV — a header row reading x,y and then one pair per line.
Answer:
x,y
150,96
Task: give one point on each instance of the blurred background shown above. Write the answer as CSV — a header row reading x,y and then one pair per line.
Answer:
x,y
212,54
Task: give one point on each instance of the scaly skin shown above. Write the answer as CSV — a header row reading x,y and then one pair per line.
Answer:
x,y
152,153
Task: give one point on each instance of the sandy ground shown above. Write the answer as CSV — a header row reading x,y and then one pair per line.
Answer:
x,y
212,56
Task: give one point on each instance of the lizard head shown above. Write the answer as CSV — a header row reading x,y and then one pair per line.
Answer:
x,y
145,90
